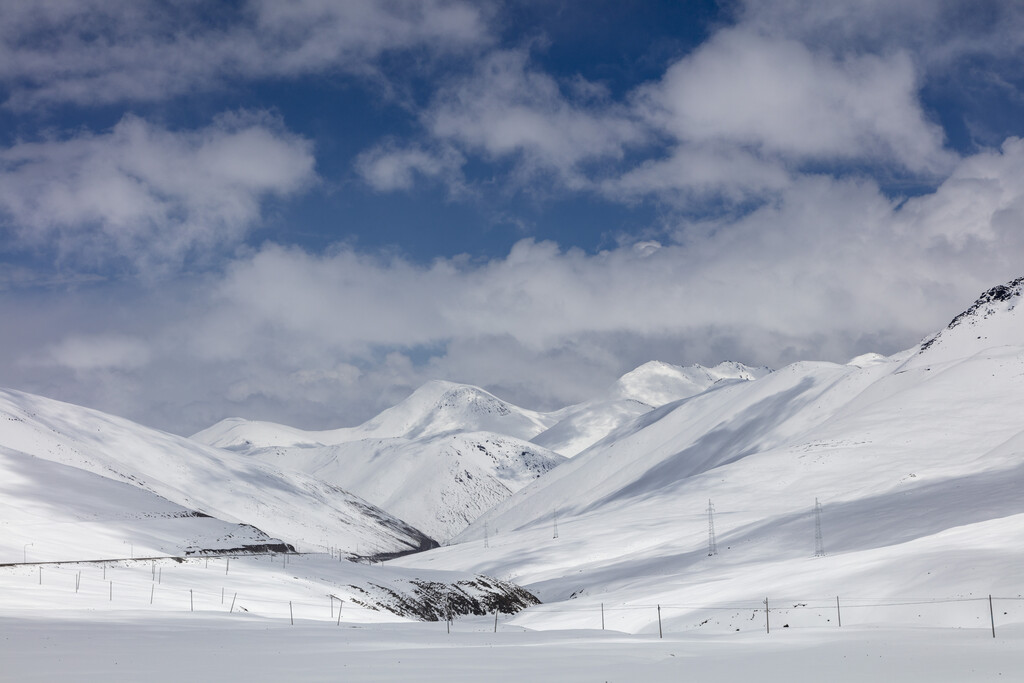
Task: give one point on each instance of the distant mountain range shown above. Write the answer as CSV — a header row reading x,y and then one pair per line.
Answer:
x,y
677,485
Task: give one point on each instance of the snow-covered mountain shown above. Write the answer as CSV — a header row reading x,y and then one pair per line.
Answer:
x,y
449,452
77,481
917,461
438,483
437,407
647,387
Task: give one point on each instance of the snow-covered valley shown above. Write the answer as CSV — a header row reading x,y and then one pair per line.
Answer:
x,y
731,510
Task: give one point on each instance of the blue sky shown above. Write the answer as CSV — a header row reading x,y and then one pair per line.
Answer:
x,y
300,211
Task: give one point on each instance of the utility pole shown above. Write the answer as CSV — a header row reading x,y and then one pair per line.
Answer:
x,y
712,543
819,545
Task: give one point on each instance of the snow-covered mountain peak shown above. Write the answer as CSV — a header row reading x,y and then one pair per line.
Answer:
x,y
439,406
649,386
994,319
657,383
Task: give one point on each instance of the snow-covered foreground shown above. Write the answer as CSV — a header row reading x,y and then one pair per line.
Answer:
x,y
135,646
261,619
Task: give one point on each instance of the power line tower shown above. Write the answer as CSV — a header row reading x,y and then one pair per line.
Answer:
x,y
554,521
712,543
819,545
487,540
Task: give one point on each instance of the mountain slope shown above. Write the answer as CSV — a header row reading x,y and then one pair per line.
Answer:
x,y
179,477
438,483
651,385
917,461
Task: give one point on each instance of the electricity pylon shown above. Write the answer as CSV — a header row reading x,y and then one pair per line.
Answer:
x,y
712,543
819,544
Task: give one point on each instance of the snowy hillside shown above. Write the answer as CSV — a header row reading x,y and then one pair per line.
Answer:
x,y
651,385
917,461
437,483
435,408
77,481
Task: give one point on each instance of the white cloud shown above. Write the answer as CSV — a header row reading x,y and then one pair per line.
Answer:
x,y
82,353
146,195
734,120
387,167
938,33
507,108
101,51
778,97
828,270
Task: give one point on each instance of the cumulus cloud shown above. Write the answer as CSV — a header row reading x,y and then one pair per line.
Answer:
x,y
831,269
508,108
936,32
778,97
732,120
100,51
146,195
388,167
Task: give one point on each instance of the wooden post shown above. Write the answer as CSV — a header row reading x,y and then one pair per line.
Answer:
x,y
160,575
602,616
104,572
227,565
152,590
332,605
340,604
291,615
839,614
767,626
992,616
191,605
495,621
40,576
111,599
154,569
222,595
233,602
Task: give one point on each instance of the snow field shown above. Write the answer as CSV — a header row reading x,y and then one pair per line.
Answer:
x,y
211,647
259,586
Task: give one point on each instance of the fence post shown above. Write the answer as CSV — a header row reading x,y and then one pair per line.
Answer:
x,y
839,614
602,616
767,625
233,602
495,620
992,616
111,599
40,576
191,605
227,566
152,590
340,604
659,622
291,615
